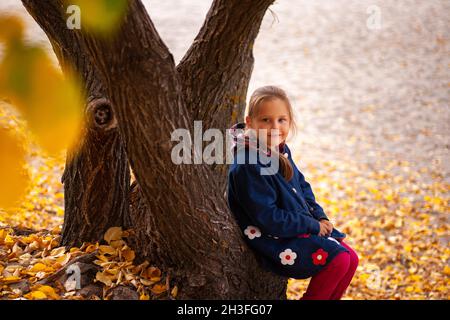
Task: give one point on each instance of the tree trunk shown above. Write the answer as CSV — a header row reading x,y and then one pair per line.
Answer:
x,y
97,176
179,213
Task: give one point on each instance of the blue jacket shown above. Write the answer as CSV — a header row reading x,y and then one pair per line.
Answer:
x,y
279,220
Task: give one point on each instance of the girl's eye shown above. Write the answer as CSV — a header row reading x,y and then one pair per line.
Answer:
x,y
281,120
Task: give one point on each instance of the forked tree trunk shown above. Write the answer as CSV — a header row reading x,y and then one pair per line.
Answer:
x,y
178,212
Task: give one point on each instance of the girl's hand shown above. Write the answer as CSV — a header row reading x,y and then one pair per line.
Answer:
x,y
325,228
329,224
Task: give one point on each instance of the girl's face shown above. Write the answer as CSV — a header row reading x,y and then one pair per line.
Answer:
x,y
273,116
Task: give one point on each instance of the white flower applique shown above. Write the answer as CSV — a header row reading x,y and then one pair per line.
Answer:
x,y
252,232
288,257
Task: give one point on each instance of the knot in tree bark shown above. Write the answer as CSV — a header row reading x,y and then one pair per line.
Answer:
x,y
100,114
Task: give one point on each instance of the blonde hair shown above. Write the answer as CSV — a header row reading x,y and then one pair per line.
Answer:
x,y
268,93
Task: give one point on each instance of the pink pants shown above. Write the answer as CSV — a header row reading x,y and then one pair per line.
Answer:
x,y
332,281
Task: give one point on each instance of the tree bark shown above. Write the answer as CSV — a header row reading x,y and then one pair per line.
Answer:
x,y
179,214
216,69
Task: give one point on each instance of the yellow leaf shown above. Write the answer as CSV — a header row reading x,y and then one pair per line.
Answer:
x,y
99,262
113,272
144,297
36,295
174,292
91,248
146,282
49,292
8,280
51,103
152,273
409,289
107,250
103,258
442,288
128,254
3,234
102,277
38,267
58,251
117,244
9,241
14,178
11,28
141,268
62,260
113,233
415,277
447,270
363,277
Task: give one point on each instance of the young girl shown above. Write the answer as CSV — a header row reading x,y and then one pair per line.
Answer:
x,y
277,213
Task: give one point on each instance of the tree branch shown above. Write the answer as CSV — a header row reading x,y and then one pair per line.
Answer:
x,y
220,61
216,69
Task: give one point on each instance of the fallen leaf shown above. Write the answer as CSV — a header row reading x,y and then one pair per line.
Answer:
x,y
113,233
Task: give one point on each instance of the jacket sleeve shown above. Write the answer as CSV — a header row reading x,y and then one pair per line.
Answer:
x,y
256,194
317,210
